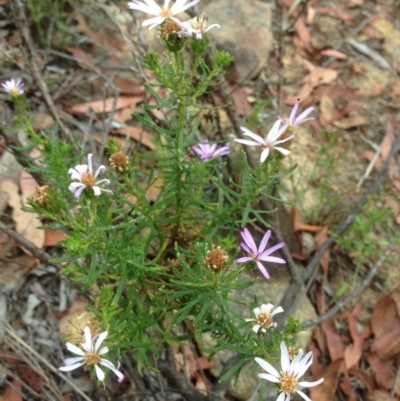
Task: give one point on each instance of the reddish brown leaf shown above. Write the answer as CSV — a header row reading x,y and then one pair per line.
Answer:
x,y
128,87
53,237
351,122
137,134
303,33
383,372
106,105
239,97
333,53
353,352
83,59
326,391
333,340
13,391
382,316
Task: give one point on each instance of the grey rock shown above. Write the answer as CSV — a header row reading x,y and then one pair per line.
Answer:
x,y
245,33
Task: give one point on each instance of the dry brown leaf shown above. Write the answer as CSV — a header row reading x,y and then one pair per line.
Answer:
x,y
137,134
333,53
377,90
388,31
12,273
380,395
333,340
53,237
83,59
384,313
128,87
239,97
350,122
384,374
42,121
13,391
327,108
320,238
106,105
317,76
353,352
303,34
125,115
327,389
25,223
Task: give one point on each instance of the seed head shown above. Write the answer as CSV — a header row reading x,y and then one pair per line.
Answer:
x,y
216,258
119,162
75,327
41,195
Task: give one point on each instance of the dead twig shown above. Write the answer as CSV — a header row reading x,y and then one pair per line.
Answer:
x,y
341,304
21,22
43,256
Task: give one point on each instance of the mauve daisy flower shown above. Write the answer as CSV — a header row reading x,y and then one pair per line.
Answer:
x,y
90,355
207,151
293,120
161,14
13,87
287,379
260,253
196,27
84,174
270,142
264,317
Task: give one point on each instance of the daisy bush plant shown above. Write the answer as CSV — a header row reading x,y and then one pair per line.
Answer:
x,y
157,232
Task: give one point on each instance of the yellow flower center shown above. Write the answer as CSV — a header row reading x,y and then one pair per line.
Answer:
x,y
288,383
88,180
264,319
91,358
165,12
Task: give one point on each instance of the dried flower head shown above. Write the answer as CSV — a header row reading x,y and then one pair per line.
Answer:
x,y
41,195
74,329
119,162
264,317
216,258
170,27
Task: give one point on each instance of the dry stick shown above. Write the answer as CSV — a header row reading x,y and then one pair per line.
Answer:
x,y
294,292
21,22
354,294
43,256
43,360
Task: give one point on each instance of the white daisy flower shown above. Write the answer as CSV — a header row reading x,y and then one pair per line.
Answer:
x,y
13,87
197,27
84,174
161,14
90,356
287,379
264,317
270,142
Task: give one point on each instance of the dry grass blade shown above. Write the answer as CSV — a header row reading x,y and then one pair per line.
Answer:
x,y
32,358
